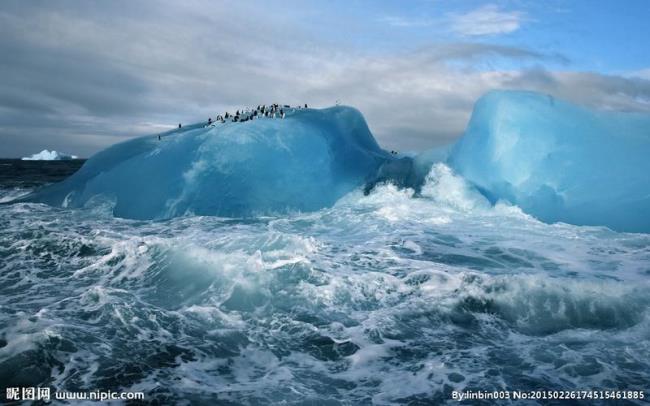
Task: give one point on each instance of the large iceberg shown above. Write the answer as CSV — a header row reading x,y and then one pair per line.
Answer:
x,y
304,162
46,155
558,161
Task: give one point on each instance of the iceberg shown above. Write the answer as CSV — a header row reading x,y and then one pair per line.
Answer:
x,y
46,155
303,162
557,161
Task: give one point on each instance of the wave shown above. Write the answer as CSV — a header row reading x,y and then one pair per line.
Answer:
x,y
438,288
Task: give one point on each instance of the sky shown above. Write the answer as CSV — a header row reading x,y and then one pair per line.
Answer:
x,y
79,75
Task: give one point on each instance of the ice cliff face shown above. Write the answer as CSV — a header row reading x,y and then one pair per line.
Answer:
x,y
557,161
304,162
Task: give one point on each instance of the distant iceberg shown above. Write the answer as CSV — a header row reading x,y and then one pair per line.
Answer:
x,y
46,155
558,161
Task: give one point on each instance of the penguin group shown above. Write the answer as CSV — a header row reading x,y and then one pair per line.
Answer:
x,y
274,110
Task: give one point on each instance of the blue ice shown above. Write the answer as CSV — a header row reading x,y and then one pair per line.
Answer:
x,y
558,161
555,160
303,162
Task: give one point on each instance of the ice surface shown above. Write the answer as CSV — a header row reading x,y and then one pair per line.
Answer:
x,y
301,163
557,161
46,155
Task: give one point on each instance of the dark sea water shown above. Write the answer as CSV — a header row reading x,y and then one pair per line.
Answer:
x,y
19,174
381,299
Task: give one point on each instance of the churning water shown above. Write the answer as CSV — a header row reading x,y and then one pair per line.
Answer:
x,y
386,298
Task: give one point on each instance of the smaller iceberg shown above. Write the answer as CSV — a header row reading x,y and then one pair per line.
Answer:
x,y
558,161
46,155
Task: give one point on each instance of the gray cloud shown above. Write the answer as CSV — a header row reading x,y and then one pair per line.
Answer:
x,y
77,76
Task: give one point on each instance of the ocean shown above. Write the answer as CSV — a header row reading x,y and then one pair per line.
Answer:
x,y
385,298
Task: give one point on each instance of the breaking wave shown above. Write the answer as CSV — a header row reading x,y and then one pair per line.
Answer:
x,y
438,289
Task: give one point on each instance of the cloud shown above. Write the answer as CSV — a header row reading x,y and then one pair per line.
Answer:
x,y
72,81
643,73
397,21
604,92
486,20
476,51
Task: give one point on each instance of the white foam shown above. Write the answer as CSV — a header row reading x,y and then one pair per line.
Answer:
x,y
381,298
